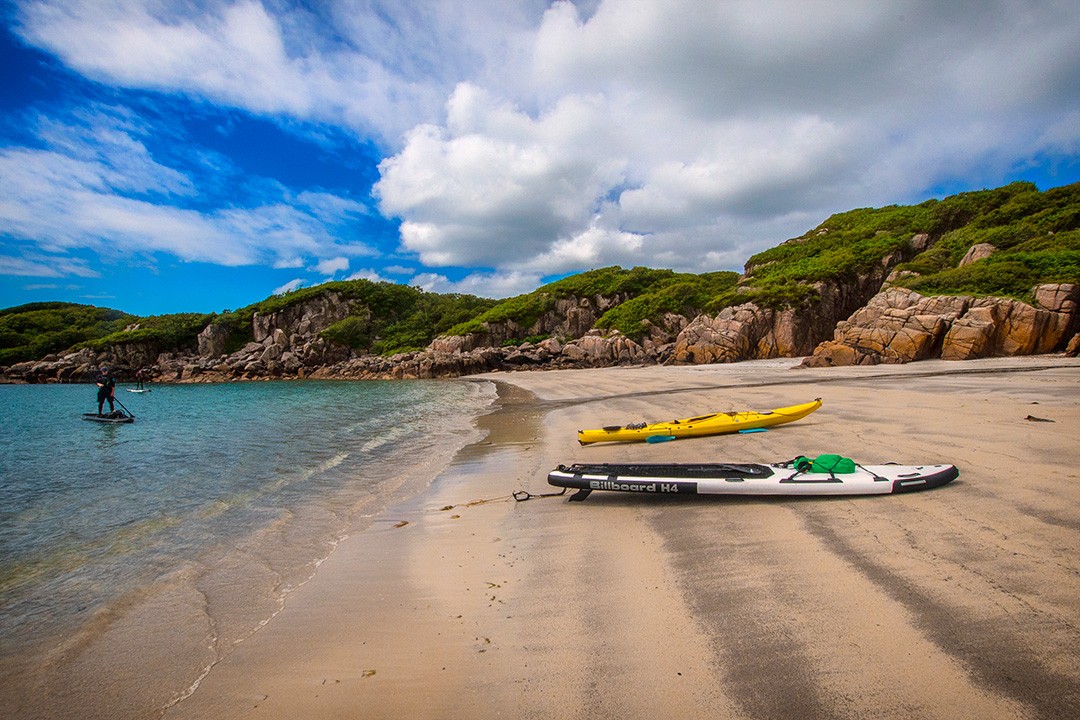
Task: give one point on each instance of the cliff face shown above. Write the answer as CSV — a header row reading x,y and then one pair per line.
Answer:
x,y
571,317
899,326
750,332
893,325
856,319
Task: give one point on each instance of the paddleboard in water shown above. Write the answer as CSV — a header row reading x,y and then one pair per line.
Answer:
x,y
112,417
747,479
138,391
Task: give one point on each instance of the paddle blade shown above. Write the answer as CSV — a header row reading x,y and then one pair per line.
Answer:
x,y
659,438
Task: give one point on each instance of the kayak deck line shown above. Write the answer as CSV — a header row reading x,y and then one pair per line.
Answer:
x,y
699,425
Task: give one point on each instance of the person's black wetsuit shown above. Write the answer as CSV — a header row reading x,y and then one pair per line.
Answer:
x,y
106,387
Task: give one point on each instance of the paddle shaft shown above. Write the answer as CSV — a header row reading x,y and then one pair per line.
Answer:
x,y
122,405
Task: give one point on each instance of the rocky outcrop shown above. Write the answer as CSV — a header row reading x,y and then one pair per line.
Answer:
x,y
749,332
213,340
302,321
569,317
899,326
740,333
861,320
978,251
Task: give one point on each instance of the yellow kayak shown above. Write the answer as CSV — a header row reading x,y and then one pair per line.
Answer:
x,y
714,424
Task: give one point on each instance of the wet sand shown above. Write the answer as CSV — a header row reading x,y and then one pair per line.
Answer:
x,y
962,601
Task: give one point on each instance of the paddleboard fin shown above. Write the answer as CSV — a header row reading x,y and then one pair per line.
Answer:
x,y
580,495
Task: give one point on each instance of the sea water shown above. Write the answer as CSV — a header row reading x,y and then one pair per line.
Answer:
x,y
239,489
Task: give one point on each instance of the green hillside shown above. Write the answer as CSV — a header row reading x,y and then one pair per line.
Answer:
x,y
652,293
30,332
1036,236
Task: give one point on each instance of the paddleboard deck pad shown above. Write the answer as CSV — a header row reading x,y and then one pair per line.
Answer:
x,y
747,479
111,417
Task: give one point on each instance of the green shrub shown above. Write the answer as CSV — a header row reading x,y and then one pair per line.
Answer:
x,y
177,331
30,332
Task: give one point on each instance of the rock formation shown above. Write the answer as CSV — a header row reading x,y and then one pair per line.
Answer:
x,y
900,325
866,324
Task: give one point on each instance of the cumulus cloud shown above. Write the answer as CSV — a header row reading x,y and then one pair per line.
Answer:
x,y
678,133
482,284
332,266
368,274
533,138
92,184
378,66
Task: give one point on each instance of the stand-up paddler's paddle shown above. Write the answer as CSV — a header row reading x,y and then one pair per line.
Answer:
x,y
124,406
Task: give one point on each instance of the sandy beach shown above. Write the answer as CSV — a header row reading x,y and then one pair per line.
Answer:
x,y
962,601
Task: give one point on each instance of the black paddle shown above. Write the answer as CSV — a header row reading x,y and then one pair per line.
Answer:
x,y
123,406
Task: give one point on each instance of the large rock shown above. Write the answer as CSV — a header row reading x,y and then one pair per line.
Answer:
x,y
899,326
743,332
1001,327
213,340
599,349
570,317
305,319
977,252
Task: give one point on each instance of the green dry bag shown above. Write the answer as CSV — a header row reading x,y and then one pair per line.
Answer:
x,y
829,463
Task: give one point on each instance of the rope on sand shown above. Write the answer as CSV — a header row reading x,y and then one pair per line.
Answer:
x,y
471,503
519,495
523,495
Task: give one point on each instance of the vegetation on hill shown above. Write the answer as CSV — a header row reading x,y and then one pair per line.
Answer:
x,y
387,318
645,295
1036,236
610,282
682,294
30,332
171,332
399,318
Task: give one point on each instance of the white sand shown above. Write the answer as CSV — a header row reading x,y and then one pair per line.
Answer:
x,y
962,601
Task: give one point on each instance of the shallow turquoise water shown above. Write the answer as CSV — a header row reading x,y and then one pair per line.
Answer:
x,y
89,513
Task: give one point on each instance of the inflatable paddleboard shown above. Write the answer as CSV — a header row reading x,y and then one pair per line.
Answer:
x,y
748,479
112,417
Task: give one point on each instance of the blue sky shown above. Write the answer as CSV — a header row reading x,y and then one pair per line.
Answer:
x,y
199,156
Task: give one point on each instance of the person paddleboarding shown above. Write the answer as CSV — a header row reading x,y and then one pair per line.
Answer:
x,y
106,384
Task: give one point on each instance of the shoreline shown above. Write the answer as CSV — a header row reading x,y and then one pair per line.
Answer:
x,y
151,645
959,601
457,601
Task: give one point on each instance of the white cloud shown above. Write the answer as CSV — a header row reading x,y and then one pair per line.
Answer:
x,y
93,185
289,286
368,274
489,285
373,65
331,266
536,138
40,265
677,133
